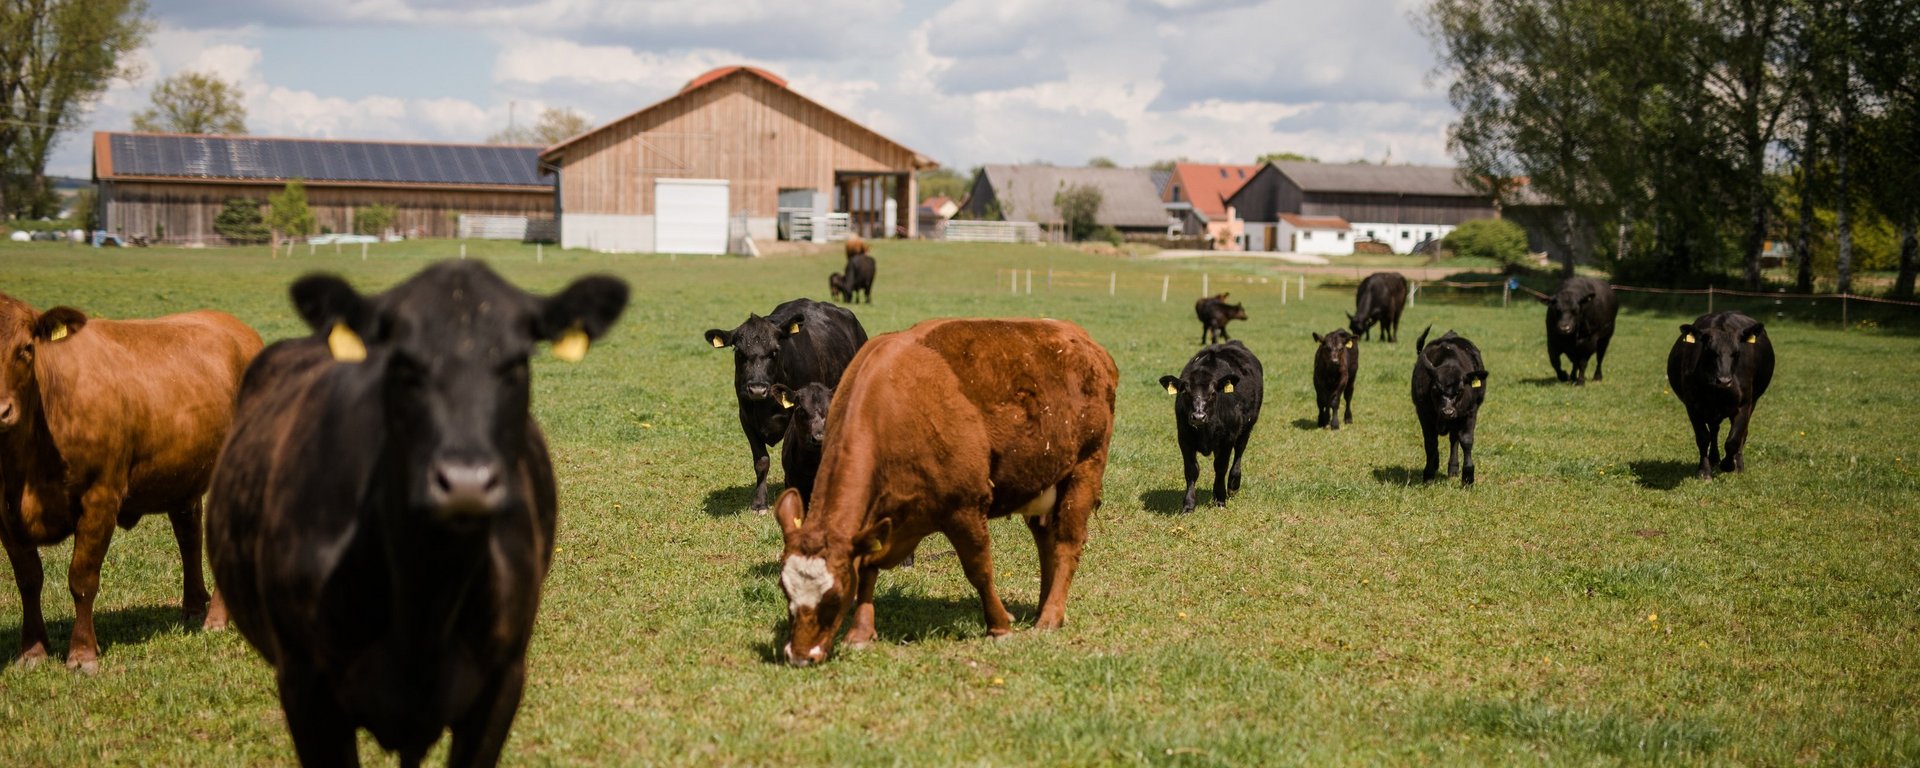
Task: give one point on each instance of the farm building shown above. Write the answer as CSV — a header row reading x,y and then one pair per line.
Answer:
x,y
169,187
734,153
1401,205
1320,235
1204,188
1128,200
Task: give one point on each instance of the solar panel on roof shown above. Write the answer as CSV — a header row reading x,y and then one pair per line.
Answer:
x,y
234,157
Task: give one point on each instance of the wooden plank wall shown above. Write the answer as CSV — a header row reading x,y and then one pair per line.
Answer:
x,y
184,211
1396,209
760,137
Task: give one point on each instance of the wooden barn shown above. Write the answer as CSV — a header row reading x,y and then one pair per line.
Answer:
x,y
734,154
169,187
1401,205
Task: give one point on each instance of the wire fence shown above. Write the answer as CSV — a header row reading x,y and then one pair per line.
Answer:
x,y
1716,298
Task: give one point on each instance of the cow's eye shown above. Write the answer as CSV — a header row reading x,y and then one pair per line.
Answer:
x,y
26,352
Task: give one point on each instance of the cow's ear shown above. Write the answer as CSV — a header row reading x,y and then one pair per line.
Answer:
x,y
1587,299
795,325
1688,334
1547,300
59,323
330,305
581,313
1227,382
782,395
1317,338
1477,379
872,542
790,512
719,338
1173,384
1754,332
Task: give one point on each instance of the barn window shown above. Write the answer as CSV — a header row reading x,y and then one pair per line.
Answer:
x,y
1306,235
1404,235
1340,236
1176,193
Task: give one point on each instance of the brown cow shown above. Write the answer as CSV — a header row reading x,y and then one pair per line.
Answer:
x,y
936,429
101,422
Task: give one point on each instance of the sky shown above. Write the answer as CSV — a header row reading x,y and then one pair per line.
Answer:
x,y
965,82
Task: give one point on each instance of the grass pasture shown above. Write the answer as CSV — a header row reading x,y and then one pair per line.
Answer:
x,y
1586,603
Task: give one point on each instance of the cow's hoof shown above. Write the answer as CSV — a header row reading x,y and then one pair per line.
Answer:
x,y
32,657
214,624
857,645
88,666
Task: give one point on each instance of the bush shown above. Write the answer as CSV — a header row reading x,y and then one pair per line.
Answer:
x,y
1497,239
239,221
373,219
1108,234
1078,205
287,211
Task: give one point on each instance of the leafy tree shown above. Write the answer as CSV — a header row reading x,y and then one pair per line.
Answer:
x,y
287,212
86,209
1890,48
943,182
56,58
239,221
1079,206
374,219
1102,162
554,126
1284,157
1166,165
1496,239
194,102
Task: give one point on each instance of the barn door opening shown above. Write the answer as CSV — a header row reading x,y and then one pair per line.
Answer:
x,y
875,203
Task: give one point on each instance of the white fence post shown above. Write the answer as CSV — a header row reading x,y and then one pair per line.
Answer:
x,y
463,250
363,251
1113,280
1029,282
1204,290
1164,280
539,252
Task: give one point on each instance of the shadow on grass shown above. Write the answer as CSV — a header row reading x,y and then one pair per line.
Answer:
x,y
727,502
120,626
1662,475
903,619
1168,502
1306,424
1546,381
1397,475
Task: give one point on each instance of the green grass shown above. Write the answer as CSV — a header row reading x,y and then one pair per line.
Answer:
x,y
1587,603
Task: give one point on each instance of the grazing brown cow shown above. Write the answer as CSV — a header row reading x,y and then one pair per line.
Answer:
x,y
103,422
935,429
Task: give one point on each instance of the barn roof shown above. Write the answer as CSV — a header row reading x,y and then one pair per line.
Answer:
x,y
1127,197
1365,178
714,76
244,159
1208,186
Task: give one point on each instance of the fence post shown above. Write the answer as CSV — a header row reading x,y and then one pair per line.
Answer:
x,y
1506,292
1049,278
1303,286
1413,293
1204,291
539,252
1029,282
1709,299
1014,286
363,251
463,250
1113,280
1164,280
1843,312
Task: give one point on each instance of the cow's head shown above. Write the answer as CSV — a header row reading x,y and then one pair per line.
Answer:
x,y
1233,311
1200,388
1566,310
1359,325
24,333
1334,346
756,353
836,285
447,351
1454,387
1722,356
808,406
820,574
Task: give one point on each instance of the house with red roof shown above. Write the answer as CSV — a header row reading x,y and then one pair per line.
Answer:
x,y
1197,194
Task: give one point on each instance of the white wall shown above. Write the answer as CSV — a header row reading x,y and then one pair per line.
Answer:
x,y
1324,242
607,233
1403,237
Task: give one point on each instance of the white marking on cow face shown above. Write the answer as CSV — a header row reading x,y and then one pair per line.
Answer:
x,y
806,580
1042,503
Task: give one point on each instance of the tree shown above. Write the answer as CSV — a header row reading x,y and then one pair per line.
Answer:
x,y
287,212
239,221
554,126
374,219
56,59
1079,206
1166,165
1496,239
1102,162
943,182
1284,157
1890,48
194,102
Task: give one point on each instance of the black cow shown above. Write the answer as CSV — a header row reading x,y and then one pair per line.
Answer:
x,y
1449,383
806,432
800,343
858,277
1214,312
1720,366
1580,325
382,514
1380,299
837,286
1336,363
1217,403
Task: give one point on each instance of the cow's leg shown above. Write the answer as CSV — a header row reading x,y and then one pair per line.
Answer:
x,y
1223,332
1579,370
99,508
1704,435
1349,395
481,732
1239,450
1066,530
1191,466
1430,434
1331,418
1600,355
968,532
322,734
186,533
1464,437
862,632
1221,459
28,576
1324,413
1205,333
1736,456
761,463
1554,357
1453,454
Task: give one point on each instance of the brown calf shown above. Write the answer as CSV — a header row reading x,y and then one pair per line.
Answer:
x,y
107,421
935,429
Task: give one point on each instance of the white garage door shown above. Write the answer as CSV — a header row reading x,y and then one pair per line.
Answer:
x,y
690,215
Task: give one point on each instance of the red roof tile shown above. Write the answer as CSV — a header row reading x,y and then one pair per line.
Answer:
x,y
1315,222
1208,186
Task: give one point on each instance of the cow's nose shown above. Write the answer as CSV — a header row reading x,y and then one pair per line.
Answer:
x,y
1724,381
819,437
460,488
6,413
1447,412
757,391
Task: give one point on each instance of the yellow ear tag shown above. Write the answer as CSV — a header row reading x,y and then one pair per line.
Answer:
x,y
1689,338
798,521
793,329
1349,343
1171,390
717,343
1227,389
1477,383
345,344
1754,339
59,332
784,402
572,345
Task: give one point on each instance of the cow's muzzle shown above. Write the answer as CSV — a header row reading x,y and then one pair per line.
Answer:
x,y
466,488
813,656
9,415
757,391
